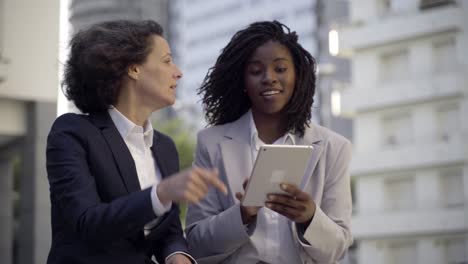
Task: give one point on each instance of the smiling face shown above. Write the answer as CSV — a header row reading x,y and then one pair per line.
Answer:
x,y
157,77
270,78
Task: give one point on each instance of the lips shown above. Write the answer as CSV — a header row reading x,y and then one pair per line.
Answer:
x,y
270,92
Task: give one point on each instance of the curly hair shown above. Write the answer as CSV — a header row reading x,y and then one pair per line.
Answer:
x,y
222,93
100,57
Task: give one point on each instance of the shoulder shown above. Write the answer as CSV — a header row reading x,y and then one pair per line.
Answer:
x,y
73,124
334,143
163,139
328,135
70,131
214,133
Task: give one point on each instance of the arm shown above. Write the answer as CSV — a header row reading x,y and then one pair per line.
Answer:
x,y
212,229
73,191
171,241
168,235
328,234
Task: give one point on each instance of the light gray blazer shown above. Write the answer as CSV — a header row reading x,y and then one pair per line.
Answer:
x,y
214,226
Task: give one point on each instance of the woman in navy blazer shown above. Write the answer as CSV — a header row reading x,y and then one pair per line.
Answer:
x,y
112,198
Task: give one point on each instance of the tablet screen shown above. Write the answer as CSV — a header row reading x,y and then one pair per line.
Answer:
x,y
276,164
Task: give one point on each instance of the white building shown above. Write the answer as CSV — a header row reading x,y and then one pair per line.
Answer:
x,y
408,98
29,39
200,29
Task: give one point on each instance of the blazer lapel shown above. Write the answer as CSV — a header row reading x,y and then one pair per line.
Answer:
x,y
311,137
237,163
158,153
237,155
122,157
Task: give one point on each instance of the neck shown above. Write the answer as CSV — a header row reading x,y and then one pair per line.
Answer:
x,y
128,105
269,127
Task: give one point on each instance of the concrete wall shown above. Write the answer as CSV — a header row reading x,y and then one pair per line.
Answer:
x,y
30,46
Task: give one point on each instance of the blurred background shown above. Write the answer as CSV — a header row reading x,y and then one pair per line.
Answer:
x,y
392,78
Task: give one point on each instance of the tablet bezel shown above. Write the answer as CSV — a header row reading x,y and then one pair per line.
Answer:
x,y
275,164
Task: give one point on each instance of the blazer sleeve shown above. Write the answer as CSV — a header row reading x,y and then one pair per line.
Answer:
x,y
213,232
73,189
328,235
172,239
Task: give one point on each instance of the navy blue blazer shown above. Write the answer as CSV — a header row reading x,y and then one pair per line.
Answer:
x,y
98,207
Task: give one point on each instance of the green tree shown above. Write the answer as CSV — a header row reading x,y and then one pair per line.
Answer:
x,y
184,139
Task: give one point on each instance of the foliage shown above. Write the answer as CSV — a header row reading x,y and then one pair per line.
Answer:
x,y
184,138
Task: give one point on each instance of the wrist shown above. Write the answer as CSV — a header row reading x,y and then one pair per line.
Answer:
x,y
160,192
245,216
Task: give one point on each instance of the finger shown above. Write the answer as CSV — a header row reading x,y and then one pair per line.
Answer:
x,y
239,196
198,182
289,212
295,192
191,198
211,177
286,200
199,193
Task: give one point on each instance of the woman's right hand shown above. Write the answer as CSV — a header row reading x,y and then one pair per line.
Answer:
x,y
190,185
248,213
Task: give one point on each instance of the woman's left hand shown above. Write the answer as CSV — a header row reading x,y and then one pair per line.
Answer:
x,y
298,206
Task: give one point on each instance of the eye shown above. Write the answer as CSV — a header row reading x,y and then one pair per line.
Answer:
x,y
167,60
254,71
281,69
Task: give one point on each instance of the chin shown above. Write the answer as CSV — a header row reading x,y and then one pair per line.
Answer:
x,y
171,102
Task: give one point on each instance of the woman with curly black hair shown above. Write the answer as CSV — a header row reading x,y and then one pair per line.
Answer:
x,y
113,199
260,91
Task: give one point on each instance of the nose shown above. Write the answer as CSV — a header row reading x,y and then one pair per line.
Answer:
x,y
178,74
269,77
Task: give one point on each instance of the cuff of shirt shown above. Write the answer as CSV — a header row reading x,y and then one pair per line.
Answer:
x,y
183,253
158,208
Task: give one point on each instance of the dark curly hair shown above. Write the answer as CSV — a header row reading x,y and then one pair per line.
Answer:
x,y
100,57
222,89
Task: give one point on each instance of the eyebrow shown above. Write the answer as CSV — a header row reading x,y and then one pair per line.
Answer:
x,y
167,54
275,60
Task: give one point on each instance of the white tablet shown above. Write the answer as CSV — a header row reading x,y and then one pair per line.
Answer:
x,y
276,164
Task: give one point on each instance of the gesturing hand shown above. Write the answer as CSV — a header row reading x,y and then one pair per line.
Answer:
x,y
178,259
248,213
298,206
189,185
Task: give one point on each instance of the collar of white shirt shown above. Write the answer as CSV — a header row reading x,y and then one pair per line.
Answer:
x,y
256,142
125,126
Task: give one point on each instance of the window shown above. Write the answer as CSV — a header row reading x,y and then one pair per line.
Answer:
x,y
455,251
403,252
425,4
397,6
397,129
448,122
353,253
394,66
444,54
452,187
354,195
400,194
